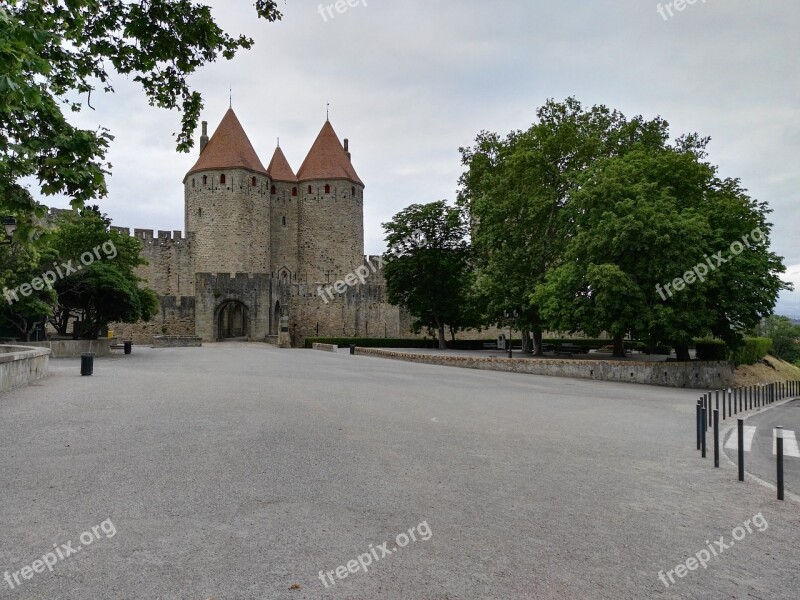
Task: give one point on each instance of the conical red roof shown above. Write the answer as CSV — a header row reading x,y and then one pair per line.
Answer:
x,y
279,168
229,148
327,159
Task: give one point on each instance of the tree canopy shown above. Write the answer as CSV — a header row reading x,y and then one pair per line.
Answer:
x,y
55,54
430,279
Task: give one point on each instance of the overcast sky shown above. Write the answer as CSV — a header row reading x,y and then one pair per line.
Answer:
x,y
411,81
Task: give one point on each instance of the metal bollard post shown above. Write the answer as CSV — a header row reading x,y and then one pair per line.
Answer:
x,y
716,439
87,364
723,408
704,433
697,424
352,349
779,452
740,433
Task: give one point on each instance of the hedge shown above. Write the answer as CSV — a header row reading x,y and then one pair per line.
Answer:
x,y
712,350
455,345
753,350
371,342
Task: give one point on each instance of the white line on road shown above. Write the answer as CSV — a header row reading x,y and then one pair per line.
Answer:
x,y
733,440
789,444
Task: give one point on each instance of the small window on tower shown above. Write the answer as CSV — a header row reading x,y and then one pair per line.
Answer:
x,y
273,190
192,181
353,191
254,182
309,189
327,189
199,212
294,191
222,179
205,179
283,221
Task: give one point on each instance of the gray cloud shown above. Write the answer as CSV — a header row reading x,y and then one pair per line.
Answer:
x,y
409,82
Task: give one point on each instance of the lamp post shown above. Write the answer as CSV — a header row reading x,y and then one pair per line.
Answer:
x,y
10,226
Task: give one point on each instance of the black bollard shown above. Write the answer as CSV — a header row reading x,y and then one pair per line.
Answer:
x,y
87,364
128,347
741,449
704,433
716,438
779,453
352,349
698,425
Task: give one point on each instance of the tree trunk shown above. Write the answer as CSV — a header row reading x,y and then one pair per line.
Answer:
x,y
442,336
619,345
538,346
682,352
526,341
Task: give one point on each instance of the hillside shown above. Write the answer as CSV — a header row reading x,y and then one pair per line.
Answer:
x,y
770,370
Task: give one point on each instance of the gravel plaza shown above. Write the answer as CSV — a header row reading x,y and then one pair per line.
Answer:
x,y
239,471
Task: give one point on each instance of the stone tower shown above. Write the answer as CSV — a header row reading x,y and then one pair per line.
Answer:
x,y
331,232
285,208
226,199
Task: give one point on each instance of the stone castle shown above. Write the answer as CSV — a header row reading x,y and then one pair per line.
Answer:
x,y
259,243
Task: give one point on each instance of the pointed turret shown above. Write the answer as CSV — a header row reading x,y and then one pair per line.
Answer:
x,y
228,148
328,159
279,169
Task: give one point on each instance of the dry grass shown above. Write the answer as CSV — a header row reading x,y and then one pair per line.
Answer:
x,y
769,371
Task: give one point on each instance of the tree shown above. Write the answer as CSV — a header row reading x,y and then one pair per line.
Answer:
x,y
785,336
53,53
24,308
515,190
104,287
431,280
646,226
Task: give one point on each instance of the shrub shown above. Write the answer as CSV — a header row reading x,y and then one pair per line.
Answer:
x,y
753,350
712,350
371,342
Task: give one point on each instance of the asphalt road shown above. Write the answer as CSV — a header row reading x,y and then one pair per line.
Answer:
x,y
760,459
239,472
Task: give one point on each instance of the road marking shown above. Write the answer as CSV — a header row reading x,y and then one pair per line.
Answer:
x,y
733,440
789,444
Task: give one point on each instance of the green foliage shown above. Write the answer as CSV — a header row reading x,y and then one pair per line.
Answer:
x,y
345,342
54,54
785,336
751,351
432,278
712,350
22,311
106,290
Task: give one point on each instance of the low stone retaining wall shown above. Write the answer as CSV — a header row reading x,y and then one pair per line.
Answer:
x,y
177,341
74,348
325,347
20,365
695,374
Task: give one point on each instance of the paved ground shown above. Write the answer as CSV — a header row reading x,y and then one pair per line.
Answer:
x,y
760,451
241,471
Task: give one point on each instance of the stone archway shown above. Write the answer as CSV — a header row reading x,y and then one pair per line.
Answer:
x,y
233,321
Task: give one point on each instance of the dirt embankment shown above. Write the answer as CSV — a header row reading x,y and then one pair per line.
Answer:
x,y
769,370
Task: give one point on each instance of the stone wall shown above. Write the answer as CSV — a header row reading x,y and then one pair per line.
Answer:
x,y
21,365
230,221
256,292
331,236
177,341
74,348
285,224
696,374
176,316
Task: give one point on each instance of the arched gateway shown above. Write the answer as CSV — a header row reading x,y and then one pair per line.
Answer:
x,y
233,321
